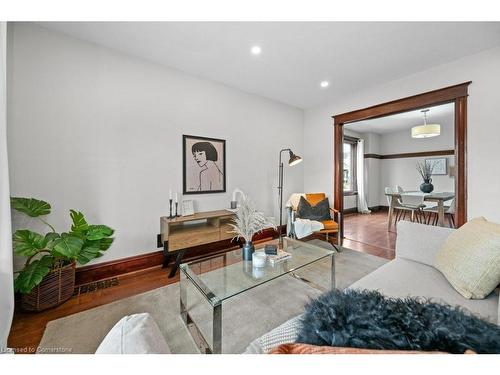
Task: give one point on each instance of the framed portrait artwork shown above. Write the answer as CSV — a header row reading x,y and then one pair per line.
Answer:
x,y
440,165
204,165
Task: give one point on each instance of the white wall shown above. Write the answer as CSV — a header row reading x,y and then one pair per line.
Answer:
x,y
6,285
483,153
403,171
372,169
99,131
401,141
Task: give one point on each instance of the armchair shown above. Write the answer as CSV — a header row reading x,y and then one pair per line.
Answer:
x,y
330,227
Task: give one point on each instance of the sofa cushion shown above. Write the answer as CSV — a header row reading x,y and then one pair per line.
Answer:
x,y
409,244
470,258
317,212
402,278
330,225
285,333
315,198
134,334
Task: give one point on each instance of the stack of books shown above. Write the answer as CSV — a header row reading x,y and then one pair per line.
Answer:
x,y
279,257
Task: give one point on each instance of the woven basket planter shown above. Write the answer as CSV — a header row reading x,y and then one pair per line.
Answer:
x,y
55,288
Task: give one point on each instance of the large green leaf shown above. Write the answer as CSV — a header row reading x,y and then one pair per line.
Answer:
x,y
27,243
79,223
30,206
88,253
50,239
67,246
97,232
94,249
33,274
105,243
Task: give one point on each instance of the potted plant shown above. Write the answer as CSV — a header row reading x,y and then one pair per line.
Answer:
x,y
247,223
425,169
48,276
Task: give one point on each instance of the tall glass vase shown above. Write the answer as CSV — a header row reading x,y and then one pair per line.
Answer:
x,y
248,250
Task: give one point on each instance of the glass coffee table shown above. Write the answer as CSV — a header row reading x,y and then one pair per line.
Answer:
x,y
224,276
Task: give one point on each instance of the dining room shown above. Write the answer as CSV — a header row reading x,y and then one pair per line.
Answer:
x,y
398,167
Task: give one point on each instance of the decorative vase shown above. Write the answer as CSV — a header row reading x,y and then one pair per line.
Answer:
x,y
248,250
426,186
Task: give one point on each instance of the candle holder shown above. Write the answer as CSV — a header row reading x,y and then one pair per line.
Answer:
x,y
176,211
170,201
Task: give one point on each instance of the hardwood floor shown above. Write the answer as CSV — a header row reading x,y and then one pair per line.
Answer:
x,y
368,233
27,328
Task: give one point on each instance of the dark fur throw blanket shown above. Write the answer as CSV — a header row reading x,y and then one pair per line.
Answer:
x,y
367,319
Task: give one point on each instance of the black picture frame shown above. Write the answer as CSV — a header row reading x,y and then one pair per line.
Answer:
x,y
189,190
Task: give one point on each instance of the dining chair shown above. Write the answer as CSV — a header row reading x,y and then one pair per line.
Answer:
x,y
399,211
449,211
401,191
402,210
414,203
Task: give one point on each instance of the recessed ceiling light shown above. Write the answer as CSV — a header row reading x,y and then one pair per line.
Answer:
x,y
324,84
256,50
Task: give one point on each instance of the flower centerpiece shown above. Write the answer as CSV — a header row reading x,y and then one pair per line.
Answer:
x,y
247,223
425,170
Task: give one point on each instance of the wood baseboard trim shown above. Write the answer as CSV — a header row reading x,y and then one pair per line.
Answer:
x,y
351,210
113,268
354,210
373,156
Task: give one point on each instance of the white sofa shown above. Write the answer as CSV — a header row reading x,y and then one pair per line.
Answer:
x,y
411,274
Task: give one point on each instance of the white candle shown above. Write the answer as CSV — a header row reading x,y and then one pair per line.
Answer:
x,y
176,198
170,197
235,191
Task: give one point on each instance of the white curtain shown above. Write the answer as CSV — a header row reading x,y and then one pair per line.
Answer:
x,y
6,285
360,177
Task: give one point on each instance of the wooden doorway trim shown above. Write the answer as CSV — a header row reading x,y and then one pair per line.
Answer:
x,y
456,94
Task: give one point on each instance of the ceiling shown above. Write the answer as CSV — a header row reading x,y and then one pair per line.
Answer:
x,y
296,56
442,114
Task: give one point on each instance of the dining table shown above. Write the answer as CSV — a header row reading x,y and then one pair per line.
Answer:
x,y
437,197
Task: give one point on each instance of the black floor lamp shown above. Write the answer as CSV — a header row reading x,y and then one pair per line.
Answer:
x,y
294,160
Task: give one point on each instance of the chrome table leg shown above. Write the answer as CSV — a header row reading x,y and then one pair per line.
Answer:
x,y
217,329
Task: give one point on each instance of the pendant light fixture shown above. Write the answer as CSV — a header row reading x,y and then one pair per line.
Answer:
x,y
426,130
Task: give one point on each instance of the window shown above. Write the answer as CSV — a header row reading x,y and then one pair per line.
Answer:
x,y
350,145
